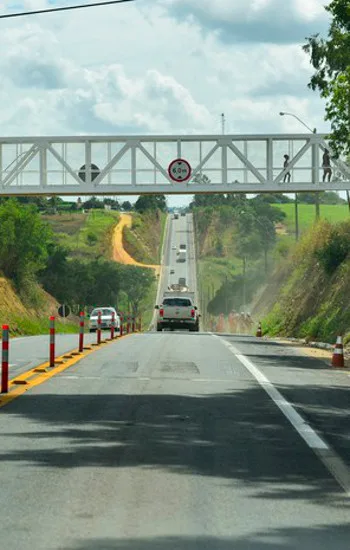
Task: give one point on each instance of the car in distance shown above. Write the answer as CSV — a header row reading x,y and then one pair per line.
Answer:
x,y
172,271
106,318
173,247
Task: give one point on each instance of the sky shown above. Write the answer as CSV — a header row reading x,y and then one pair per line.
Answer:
x,y
159,67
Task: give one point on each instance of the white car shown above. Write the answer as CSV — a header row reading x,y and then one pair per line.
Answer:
x,y
173,247
106,318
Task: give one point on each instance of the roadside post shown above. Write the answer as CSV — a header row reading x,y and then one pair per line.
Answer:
x,y
52,341
121,323
112,325
133,326
140,324
128,324
5,359
99,322
81,331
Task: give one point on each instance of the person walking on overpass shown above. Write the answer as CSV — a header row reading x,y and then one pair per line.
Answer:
x,y
285,165
326,165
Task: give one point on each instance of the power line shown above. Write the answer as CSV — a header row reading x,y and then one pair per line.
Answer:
x,y
38,12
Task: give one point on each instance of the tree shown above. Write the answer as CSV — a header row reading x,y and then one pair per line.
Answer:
x,y
331,61
24,241
275,198
126,206
94,202
136,282
151,202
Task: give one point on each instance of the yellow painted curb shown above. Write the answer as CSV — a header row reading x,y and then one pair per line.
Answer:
x,y
41,373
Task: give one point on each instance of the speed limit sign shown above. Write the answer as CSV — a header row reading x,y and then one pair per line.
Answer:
x,y
179,170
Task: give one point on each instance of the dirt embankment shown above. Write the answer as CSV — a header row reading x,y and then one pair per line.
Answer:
x,y
119,253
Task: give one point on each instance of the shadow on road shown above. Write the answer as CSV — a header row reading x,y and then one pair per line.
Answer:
x,y
239,436
322,538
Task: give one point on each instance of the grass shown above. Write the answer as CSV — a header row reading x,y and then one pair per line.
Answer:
x,y
85,235
32,326
307,214
144,240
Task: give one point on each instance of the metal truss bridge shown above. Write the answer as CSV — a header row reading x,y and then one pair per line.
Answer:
x,y
183,164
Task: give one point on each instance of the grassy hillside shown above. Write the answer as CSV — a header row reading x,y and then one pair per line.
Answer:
x,y
25,320
144,239
86,235
311,289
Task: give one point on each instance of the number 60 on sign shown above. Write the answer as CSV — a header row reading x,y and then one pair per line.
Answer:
x,y
179,170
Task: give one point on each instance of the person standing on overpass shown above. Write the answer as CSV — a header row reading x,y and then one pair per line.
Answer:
x,y
326,165
285,165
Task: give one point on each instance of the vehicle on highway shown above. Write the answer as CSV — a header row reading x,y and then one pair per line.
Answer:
x,y
172,271
173,247
106,318
183,247
182,256
177,311
182,281
176,216
183,213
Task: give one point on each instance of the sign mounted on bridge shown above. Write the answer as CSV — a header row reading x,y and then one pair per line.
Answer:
x,y
179,170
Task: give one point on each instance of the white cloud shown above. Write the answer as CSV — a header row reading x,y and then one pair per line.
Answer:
x,y
164,66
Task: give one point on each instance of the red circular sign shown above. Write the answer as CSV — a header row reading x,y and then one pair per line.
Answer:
x,y
179,170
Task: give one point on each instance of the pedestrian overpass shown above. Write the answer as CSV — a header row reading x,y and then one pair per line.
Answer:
x,y
179,164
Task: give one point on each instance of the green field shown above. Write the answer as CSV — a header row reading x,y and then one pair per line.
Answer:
x,y
85,235
307,214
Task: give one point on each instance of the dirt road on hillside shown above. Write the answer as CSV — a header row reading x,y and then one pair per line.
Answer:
x,y
119,253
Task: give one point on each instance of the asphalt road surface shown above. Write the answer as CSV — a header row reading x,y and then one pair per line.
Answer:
x,y
165,441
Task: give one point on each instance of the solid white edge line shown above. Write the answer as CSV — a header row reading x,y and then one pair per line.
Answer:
x,y
309,435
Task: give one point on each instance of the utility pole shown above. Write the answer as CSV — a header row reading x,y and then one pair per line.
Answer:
x,y
223,123
296,217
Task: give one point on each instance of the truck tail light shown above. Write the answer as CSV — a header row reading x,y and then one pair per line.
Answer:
x,y
193,313
161,312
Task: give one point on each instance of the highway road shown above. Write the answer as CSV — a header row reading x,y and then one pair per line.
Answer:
x,y
180,231
179,441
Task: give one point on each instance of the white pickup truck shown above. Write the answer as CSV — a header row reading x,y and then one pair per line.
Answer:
x,y
177,311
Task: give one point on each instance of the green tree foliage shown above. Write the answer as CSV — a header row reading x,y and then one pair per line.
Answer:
x,y
24,241
91,238
126,206
151,202
275,198
327,197
136,281
94,202
335,250
331,60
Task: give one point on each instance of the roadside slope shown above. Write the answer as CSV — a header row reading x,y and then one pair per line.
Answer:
x,y
119,254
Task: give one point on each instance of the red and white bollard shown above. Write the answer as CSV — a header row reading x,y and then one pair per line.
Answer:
x,y
5,360
81,331
338,353
99,323
112,325
52,341
121,324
